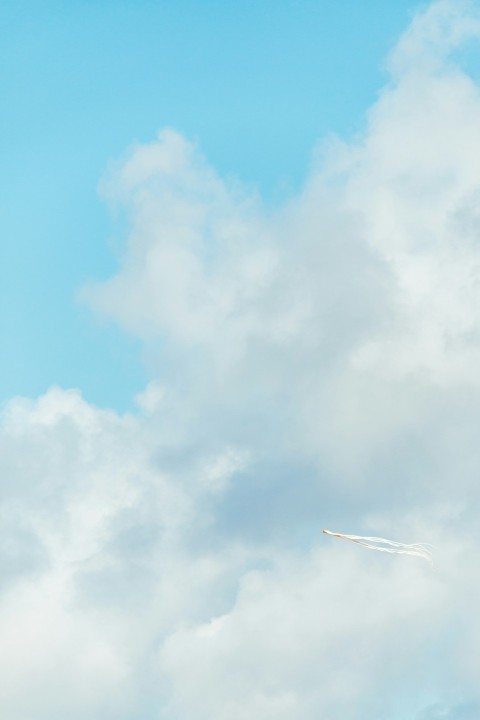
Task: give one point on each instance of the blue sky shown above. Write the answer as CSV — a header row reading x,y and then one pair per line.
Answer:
x,y
240,293
257,84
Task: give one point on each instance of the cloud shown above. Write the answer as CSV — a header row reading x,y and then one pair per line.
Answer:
x,y
116,528
460,711
313,364
433,35
294,645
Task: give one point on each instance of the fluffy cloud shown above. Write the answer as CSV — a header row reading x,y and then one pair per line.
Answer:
x,y
109,515
313,364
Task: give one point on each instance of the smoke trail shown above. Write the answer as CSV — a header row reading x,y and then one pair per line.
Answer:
x,y
389,546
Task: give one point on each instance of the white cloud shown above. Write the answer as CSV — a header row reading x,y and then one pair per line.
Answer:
x,y
313,638
314,364
432,36
119,565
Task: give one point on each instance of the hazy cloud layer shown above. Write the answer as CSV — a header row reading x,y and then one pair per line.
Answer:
x,y
314,364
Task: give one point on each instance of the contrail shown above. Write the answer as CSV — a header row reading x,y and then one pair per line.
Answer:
x,y
395,548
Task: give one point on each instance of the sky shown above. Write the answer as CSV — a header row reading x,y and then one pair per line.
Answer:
x,y
239,304
256,84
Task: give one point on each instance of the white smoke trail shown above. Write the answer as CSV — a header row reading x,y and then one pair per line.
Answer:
x,y
395,548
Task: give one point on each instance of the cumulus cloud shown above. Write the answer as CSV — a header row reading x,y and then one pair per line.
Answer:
x,y
313,364
115,528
